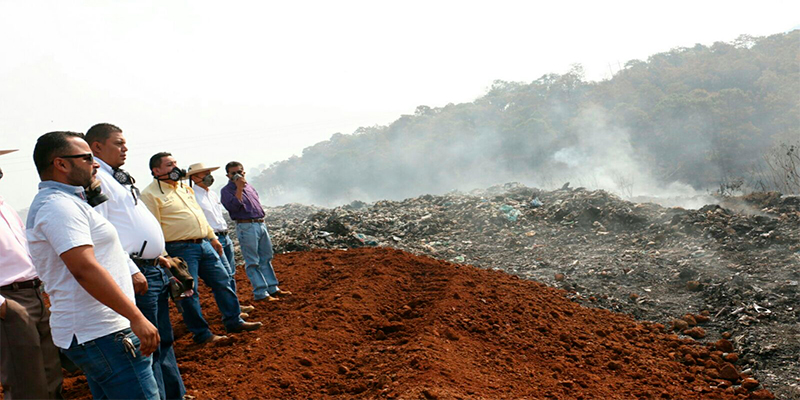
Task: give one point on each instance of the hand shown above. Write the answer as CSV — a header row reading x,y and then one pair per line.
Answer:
x,y
163,262
139,283
147,333
240,182
217,246
3,308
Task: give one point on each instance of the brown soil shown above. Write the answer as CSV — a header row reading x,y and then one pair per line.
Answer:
x,y
378,322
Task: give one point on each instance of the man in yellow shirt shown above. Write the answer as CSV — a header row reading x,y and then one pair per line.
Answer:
x,y
189,236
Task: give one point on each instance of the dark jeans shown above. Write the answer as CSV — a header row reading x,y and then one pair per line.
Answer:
x,y
112,371
205,263
155,306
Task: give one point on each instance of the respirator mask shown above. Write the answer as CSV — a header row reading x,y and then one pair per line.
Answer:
x,y
174,175
208,180
94,194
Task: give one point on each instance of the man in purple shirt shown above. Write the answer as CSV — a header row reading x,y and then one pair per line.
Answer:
x,y
242,202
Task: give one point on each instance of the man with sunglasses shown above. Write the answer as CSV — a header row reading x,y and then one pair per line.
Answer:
x,y
29,364
141,237
242,202
86,273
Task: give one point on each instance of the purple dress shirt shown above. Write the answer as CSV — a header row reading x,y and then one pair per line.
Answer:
x,y
248,208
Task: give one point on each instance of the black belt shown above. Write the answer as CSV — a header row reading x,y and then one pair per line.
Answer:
x,y
247,221
31,284
195,241
221,233
144,262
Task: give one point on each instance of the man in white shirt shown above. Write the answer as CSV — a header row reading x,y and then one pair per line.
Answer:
x,y
85,270
29,364
141,237
212,208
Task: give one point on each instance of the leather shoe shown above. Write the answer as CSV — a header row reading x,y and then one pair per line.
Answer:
x,y
247,309
214,339
268,298
281,293
245,326
244,315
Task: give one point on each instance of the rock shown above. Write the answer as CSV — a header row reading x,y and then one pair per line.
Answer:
x,y
450,335
726,335
560,277
729,372
731,357
696,332
430,394
724,346
762,394
305,362
343,370
750,383
694,286
689,318
307,374
613,365
701,319
679,324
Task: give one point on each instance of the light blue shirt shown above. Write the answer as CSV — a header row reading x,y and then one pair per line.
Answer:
x,y
60,219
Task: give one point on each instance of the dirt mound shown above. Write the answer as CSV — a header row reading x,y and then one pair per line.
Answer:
x,y
740,260
378,322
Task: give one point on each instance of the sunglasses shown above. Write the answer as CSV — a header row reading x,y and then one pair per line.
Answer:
x,y
89,157
236,172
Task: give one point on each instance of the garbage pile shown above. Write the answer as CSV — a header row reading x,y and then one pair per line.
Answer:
x,y
738,260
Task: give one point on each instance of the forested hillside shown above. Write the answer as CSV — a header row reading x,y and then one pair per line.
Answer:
x,y
688,119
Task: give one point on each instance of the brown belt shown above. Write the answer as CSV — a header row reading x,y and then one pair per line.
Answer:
x,y
33,283
247,221
195,241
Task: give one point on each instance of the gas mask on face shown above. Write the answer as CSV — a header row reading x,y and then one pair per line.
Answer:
x,y
208,180
94,194
174,175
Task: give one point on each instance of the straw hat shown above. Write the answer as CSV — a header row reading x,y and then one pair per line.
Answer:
x,y
7,151
198,168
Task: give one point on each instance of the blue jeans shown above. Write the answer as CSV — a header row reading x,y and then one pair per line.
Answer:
x,y
204,262
112,372
228,261
155,306
257,253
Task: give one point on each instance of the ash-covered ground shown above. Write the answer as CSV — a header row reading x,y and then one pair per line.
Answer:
x,y
739,260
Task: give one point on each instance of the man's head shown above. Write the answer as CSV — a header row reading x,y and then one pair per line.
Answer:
x,y
108,144
64,157
232,168
201,175
161,164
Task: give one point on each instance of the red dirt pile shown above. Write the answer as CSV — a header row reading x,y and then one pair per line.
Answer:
x,y
377,322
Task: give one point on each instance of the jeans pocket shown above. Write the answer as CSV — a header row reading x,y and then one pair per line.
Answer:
x,y
127,335
90,358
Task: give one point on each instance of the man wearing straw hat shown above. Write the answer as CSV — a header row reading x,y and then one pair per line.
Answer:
x,y
29,362
212,208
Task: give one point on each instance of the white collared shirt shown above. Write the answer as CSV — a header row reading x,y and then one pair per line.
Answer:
x,y
60,220
134,222
212,208
15,261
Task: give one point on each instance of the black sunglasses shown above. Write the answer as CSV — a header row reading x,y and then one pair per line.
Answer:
x,y
86,157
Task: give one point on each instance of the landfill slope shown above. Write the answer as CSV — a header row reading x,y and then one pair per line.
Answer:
x,y
382,323
739,260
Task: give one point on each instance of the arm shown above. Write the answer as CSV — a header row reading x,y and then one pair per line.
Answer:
x,y
98,283
230,201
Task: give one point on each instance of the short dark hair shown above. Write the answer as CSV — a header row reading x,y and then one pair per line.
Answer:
x,y
155,160
49,146
100,133
232,164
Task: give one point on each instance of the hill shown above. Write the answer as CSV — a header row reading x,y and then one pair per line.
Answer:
x,y
690,119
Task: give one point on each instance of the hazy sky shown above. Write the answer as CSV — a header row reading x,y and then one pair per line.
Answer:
x,y
259,81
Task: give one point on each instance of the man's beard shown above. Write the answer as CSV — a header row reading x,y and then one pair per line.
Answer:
x,y
80,177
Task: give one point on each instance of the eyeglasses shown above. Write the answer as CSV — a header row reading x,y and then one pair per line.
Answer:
x,y
89,157
237,172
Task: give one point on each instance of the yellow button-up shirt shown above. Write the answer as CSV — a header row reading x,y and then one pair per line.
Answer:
x,y
177,211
